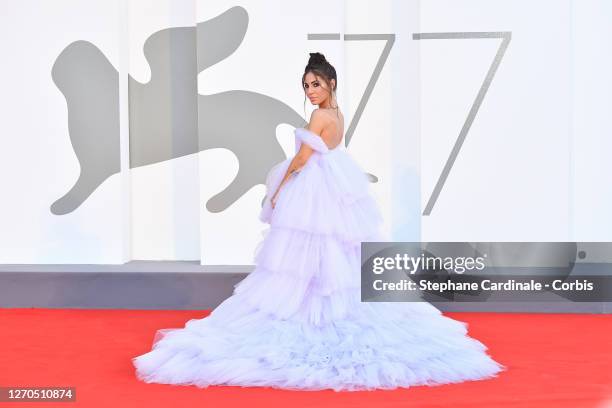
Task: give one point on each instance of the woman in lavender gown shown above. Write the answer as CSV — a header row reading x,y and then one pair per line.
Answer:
x,y
296,321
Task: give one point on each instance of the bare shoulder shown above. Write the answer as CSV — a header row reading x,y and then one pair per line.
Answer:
x,y
318,121
329,116
319,115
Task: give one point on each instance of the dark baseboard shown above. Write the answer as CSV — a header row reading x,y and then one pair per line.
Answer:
x,y
179,285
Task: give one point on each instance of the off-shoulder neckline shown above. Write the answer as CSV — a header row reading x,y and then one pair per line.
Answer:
x,y
319,136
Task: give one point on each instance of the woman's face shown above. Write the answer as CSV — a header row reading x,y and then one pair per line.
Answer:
x,y
316,90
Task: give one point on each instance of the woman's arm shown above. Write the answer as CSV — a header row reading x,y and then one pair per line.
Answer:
x,y
298,161
316,124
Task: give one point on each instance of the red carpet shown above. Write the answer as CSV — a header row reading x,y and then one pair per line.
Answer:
x,y
553,360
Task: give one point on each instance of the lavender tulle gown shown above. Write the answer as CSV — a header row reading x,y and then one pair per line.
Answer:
x,y
297,322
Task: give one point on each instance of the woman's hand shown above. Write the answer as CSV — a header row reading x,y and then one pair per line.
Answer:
x,y
273,200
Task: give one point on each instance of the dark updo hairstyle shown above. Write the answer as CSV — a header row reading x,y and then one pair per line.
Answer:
x,y
320,67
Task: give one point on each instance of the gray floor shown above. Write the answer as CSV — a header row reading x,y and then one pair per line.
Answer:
x,y
178,285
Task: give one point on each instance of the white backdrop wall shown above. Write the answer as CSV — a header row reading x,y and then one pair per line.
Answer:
x,y
510,179
591,123
38,165
534,165
164,195
82,184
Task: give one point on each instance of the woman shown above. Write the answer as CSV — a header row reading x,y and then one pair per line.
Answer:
x,y
296,321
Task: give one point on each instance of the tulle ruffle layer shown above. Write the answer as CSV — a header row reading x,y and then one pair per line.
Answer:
x,y
329,195
381,346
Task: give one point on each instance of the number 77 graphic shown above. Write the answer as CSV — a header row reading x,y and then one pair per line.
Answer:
x,y
506,36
